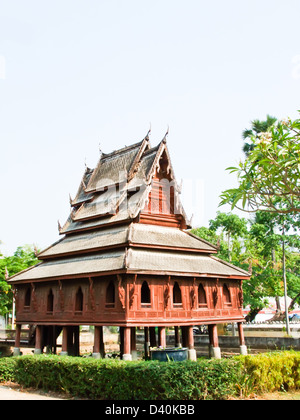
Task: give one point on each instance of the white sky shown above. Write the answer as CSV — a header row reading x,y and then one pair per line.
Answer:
x,y
77,73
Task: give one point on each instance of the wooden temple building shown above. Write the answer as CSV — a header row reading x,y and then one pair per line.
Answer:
x,y
127,259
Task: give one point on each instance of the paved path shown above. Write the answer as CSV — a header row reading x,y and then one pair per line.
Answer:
x,y
7,393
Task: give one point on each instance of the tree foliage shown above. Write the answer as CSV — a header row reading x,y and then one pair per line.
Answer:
x,y
256,246
269,178
23,258
257,127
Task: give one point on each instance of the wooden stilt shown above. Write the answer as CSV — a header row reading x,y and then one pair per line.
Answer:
x,y
153,342
127,341
38,340
133,343
215,349
162,337
184,336
177,337
98,350
76,335
64,348
243,347
146,343
190,336
17,350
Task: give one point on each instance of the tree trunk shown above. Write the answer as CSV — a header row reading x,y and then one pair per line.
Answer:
x,y
292,304
252,314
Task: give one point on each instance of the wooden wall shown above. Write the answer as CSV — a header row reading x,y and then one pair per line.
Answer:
x,y
117,300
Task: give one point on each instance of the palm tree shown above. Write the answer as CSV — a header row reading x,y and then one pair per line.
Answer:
x,y
257,127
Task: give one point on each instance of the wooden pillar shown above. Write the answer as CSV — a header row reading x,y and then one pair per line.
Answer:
x,y
48,339
76,335
133,343
127,344
64,348
215,339
70,341
184,336
54,335
146,343
210,340
214,342
177,337
162,342
153,342
146,334
17,350
190,336
99,350
121,332
243,347
102,345
38,339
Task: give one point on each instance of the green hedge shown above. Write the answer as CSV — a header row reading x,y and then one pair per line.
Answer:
x,y
119,380
7,369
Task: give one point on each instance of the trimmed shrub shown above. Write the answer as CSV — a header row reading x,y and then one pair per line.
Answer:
x,y
7,369
119,380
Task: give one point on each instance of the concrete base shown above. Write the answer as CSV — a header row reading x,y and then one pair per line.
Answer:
x,y
244,350
127,357
216,353
63,353
192,355
96,356
17,351
37,351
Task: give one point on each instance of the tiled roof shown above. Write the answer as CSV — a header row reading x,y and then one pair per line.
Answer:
x,y
132,260
134,234
102,233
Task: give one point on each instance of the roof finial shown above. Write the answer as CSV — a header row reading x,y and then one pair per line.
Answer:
x,y
149,132
6,273
165,137
36,251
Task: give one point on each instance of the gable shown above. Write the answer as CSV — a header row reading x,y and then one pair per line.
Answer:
x,y
134,182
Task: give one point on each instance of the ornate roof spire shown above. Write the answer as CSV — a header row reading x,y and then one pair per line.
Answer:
x,y
148,134
165,136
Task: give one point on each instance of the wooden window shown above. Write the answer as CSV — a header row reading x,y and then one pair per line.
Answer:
x,y
226,295
79,301
202,301
145,295
110,295
50,301
177,299
27,300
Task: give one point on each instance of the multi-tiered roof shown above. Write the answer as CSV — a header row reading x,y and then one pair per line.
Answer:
x,y
122,220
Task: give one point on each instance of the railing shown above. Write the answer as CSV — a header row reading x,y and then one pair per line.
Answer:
x,y
291,321
8,336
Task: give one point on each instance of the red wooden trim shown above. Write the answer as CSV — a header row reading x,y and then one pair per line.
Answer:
x,y
143,323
